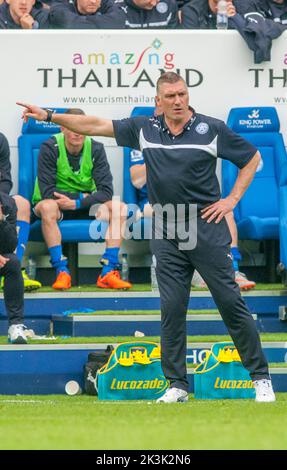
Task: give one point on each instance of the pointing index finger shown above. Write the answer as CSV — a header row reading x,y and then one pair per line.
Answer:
x,y
24,105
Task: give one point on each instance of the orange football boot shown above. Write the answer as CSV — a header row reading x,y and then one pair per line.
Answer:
x,y
243,282
112,280
63,281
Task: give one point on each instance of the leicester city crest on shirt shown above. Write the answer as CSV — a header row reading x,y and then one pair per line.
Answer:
x,y
162,7
202,128
136,156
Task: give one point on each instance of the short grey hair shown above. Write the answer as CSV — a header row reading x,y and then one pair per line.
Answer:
x,y
168,77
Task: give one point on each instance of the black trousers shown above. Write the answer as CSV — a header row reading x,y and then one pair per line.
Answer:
x,y
174,269
13,289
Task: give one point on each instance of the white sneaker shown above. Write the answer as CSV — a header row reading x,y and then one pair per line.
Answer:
x,y
264,391
16,334
173,395
243,282
197,281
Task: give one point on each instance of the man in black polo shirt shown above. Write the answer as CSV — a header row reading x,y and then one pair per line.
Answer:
x,y
23,212
180,149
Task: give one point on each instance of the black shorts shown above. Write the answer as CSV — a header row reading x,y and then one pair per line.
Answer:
x,y
80,214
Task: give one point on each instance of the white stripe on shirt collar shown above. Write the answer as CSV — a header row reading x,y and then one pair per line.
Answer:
x,y
209,148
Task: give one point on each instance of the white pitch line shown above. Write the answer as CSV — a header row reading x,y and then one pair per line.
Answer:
x,y
28,401
99,402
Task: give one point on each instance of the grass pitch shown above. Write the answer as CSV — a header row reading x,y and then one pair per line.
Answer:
x,y
82,422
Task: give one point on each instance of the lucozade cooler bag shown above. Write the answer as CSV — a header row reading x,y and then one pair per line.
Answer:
x,y
222,375
133,372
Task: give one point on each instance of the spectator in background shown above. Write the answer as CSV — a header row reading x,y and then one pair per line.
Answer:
x,y
201,14
74,175
275,10
87,14
258,21
23,14
23,211
138,179
150,14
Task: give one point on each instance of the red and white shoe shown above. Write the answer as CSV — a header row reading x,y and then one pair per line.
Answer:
x,y
243,282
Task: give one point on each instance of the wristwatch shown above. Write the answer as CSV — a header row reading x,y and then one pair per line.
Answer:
x,y
49,114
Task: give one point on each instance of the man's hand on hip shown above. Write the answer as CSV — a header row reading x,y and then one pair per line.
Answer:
x,y
218,210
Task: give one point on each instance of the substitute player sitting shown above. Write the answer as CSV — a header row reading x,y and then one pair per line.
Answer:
x,y
73,175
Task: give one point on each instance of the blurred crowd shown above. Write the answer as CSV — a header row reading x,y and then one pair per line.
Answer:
x,y
136,14
258,21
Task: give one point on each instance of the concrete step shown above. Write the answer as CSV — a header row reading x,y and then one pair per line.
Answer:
x,y
46,304
126,325
45,369
275,351
41,326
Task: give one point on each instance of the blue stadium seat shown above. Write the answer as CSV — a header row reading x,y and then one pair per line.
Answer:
x,y
142,228
283,223
34,133
257,214
262,210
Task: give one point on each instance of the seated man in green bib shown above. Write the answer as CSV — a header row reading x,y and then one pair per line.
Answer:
x,y
73,176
